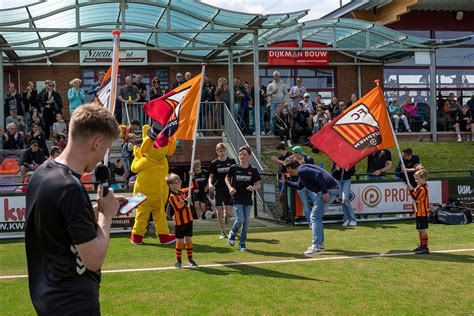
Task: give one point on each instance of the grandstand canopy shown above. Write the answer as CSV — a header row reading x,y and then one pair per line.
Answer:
x,y
187,28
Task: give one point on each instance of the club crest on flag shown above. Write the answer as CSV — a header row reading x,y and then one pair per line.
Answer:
x,y
359,128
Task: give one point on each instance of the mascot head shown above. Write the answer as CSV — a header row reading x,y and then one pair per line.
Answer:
x,y
155,146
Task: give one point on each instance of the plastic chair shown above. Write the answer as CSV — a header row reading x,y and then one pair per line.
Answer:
x,y
9,166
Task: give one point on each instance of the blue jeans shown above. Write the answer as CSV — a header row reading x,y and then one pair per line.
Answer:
x,y
243,215
308,200
273,107
317,214
371,177
345,186
262,124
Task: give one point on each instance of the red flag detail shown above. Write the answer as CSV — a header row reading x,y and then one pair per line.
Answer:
x,y
361,129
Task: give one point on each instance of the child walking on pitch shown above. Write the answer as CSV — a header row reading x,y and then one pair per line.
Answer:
x,y
183,219
420,195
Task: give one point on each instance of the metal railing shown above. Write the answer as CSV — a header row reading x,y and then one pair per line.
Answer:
x,y
211,115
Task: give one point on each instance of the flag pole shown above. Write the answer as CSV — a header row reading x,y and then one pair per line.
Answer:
x,y
113,81
397,145
193,152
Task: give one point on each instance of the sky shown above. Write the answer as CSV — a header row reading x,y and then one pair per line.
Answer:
x,y
318,8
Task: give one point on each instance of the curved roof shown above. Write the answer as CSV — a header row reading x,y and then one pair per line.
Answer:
x,y
187,28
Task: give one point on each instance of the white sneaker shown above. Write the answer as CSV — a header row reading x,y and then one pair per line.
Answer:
x,y
459,139
346,223
313,250
222,236
253,134
289,143
423,130
262,133
352,223
409,131
282,142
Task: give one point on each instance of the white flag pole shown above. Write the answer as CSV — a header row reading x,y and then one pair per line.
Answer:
x,y
203,70
398,147
113,81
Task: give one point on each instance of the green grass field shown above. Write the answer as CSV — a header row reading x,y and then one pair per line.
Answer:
x,y
434,156
438,283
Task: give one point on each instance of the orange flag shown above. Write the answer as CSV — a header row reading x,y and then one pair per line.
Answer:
x,y
178,109
361,129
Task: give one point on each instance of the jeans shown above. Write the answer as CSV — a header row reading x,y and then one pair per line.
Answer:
x,y
371,177
273,107
345,186
397,121
317,214
262,124
243,215
308,200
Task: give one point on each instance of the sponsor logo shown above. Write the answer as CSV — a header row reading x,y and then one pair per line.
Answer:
x,y
80,266
359,128
371,196
465,190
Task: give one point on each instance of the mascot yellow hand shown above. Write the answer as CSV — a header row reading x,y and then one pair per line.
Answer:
x,y
151,166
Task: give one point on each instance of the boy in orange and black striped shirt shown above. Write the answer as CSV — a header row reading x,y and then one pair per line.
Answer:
x,y
183,219
420,195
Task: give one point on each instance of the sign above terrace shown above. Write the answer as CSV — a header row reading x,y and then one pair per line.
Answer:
x,y
103,57
298,58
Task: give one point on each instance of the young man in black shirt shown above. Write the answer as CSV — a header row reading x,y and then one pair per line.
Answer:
x,y
66,237
377,164
242,180
411,161
30,159
217,173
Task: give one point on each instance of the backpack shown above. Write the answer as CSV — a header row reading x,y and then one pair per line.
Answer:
x,y
451,214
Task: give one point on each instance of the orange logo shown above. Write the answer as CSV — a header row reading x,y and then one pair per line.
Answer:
x,y
359,128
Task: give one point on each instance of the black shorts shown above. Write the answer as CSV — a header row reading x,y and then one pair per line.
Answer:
x,y
184,230
200,197
223,197
422,222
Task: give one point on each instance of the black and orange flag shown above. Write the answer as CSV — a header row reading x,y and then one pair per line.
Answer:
x,y
361,129
177,110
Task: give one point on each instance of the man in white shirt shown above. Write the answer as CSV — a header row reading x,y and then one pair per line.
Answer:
x,y
277,94
296,94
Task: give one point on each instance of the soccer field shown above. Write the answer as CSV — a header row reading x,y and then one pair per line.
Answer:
x,y
365,270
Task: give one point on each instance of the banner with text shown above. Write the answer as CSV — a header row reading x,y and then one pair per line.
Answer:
x,y
104,57
313,57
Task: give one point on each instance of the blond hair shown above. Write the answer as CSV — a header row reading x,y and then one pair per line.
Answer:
x,y
172,178
221,146
90,119
73,81
421,173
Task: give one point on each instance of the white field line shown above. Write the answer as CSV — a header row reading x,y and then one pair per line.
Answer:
x,y
254,263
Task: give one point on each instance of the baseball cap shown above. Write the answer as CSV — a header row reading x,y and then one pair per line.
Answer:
x,y
306,95
299,150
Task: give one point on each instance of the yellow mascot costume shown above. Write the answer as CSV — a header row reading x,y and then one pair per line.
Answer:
x,y
151,166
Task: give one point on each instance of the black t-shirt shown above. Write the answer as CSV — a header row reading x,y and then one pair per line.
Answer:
x,y
29,157
409,164
141,87
59,215
377,161
241,178
201,179
281,168
219,170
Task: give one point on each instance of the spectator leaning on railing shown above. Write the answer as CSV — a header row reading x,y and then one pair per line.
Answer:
x,y
129,93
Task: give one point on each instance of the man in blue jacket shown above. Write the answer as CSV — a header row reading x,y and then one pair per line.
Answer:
x,y
324,186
